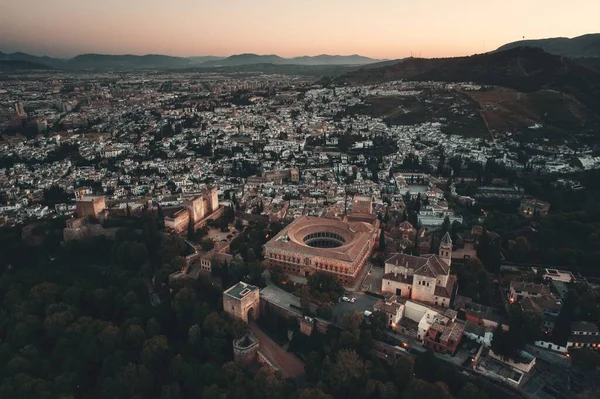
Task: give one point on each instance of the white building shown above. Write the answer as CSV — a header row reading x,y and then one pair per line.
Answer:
x,y
421,278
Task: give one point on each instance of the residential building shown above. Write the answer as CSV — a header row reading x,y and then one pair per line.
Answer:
x,y
533,207
444,335
392,308
521,289
584,334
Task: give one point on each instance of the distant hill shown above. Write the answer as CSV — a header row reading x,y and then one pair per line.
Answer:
x,y
581,46
524,69
101,61
557,91
317,71
325,59
56,63
245,59
106,61
204,58
18,65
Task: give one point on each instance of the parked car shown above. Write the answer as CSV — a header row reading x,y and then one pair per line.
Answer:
x,y
352,300
345,299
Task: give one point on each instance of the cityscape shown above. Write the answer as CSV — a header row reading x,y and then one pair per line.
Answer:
x,y
304,227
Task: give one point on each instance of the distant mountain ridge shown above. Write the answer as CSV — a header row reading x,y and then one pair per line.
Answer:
x,y
107,61
581,46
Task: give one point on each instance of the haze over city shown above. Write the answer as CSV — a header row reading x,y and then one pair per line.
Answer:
x,y
378,29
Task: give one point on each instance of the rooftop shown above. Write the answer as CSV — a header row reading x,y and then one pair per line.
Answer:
x,y
351,237
240,290
430,265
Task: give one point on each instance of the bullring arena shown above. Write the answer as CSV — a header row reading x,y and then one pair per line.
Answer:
x,y
311,244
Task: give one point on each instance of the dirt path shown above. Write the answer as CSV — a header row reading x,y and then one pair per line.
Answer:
x,y
289,365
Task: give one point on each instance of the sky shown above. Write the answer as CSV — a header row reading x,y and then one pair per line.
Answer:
x,y
375,28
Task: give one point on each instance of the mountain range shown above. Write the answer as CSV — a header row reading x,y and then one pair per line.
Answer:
x,y
104,61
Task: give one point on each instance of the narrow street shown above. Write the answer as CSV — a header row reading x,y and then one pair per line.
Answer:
x,y
289,365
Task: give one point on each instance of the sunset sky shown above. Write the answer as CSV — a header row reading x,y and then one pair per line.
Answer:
x,y
374,28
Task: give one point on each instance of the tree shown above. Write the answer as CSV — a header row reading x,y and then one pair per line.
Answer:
x,y
521,249
382,240
313,393
585,358
540,272
470,391
324,283
348,373
154,350
403,373
445,225
524,328
136,380
420,389
191,231
239,225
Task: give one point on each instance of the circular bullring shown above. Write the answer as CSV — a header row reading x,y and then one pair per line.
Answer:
x,y
318,233
324,239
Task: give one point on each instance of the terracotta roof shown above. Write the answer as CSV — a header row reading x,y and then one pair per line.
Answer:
x,y
429,265
451,331
398,277
529,287
406,226
387,307
356,237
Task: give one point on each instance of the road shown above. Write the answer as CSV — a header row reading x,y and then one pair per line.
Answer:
x,y
288,364
373,280
362,303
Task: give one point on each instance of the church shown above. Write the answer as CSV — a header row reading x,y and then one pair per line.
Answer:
x,y
423,279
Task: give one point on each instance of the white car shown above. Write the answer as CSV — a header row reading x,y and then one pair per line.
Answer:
x,y
352,300
346,299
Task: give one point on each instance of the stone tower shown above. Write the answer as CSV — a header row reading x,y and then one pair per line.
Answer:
x,y
446,249
242,301
245,349
214,199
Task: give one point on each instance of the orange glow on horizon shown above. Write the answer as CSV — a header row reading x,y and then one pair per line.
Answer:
x,y
379,28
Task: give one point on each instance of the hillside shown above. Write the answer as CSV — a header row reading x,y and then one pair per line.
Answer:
x,y
522,69
560,93
16,65
582,46
56,63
